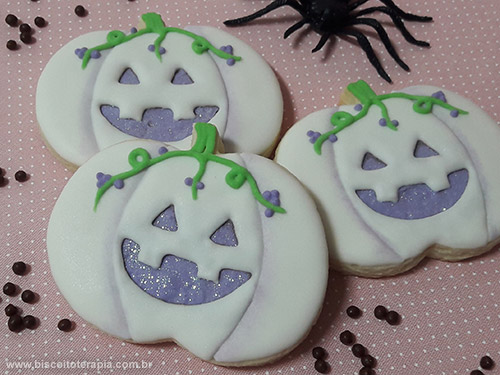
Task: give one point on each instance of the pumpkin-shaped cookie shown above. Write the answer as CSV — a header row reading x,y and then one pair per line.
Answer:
x,y
224,254
155,83
399,176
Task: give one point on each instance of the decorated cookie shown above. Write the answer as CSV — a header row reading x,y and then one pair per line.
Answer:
x,y
399,176
155,83
223,254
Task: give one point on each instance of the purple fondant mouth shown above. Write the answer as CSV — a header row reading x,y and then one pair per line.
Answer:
x,y
176,280
158,123
419,201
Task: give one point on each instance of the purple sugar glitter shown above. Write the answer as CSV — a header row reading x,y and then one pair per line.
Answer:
x,y
418,201
158,123
423,151
372,163
225,235
129,77
166,220
176,281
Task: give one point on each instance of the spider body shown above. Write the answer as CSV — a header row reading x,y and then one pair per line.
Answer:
x,y
340,17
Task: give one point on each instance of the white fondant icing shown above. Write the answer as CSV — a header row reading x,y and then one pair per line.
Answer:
x,y
358,235
69,97
251,323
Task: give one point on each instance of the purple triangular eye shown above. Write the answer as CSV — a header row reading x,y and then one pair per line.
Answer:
x,y
181,78
129,77
166,220
371,163
423,151
225,235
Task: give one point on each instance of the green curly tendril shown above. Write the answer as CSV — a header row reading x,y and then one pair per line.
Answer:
x,y
155,25
203,151
367,97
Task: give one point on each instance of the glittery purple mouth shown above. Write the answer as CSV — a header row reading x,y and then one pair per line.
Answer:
x,y
419,201
158,123
176,280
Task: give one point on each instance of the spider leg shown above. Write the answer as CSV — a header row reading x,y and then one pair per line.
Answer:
x,y
403,14
383,37
321,42
274,5
397,22
365,45
356,4
294,28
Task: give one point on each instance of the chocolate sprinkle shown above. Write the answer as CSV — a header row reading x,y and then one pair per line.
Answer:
x,y
321,366
40,21
12,45
358,350
80,11
353,312
29,321
26,38
366,371
28,296
19,268
21,176
64,325
15,323
347,338
476,372
25,28
11,20
486,362
11,310
319,352
9,289
392,318
368,361
380,312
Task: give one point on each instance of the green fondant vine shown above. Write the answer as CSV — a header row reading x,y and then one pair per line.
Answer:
x,y
154,25
367,97
203,151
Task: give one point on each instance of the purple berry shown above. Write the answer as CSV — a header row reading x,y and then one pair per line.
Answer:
x,y
382,122
119,184
230,62
200,185
95,54
162,51
133,30
269,212
395,122
454,113
310,133
188,181
151,48
162,150
332,138
266,195
358,107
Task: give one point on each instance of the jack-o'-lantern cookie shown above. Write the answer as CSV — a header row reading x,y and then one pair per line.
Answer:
x,y
155,83
224,254
399,176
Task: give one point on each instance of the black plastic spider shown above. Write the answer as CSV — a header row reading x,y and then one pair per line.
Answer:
x,y
338,17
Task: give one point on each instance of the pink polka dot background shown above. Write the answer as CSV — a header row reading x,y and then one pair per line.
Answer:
x,y
450,311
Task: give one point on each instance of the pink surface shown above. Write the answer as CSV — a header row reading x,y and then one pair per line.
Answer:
x,y
451,313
